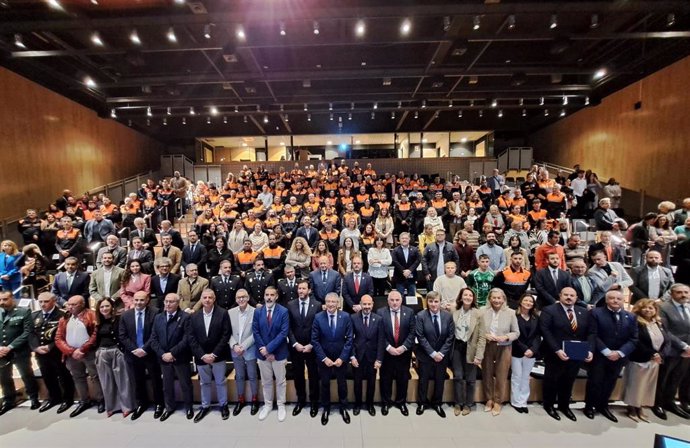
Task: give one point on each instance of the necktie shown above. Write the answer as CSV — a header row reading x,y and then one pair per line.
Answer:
x,y
324,276
70,279
396,327
303,309
586,289
571,318
193,248
356,283
269,317
684,312
140,329
258,277
332,323
437,330
225,279
554,274
45,316
619,323
366,321
170,316
165,251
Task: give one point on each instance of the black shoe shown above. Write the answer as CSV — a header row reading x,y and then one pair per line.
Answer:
x,y
525,410
164,416
685,407
372,410
225,412
255,408
659,412
355,410
47,405
439,410
403,410
238,408
324,418
6,406
35,404
189,414
64,406
346,416
384,409
518,409
81,407
552,413
298,408
420,409
606,412
101,406
589,413
203,412
674,409
314,410
158,411
138,412
568,414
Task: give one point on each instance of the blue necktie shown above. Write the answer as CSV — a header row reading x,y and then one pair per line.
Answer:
x,y
332,316
140,329
437,331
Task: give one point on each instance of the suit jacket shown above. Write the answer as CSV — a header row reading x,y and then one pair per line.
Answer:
x,y
175,255
555,328
127,331
369,342
218,338
286,294
246,339
407,327
148,238
159,294
596,293
329,343
352,297
15,329
171,336
476,341
300,327
189,295
640,278
431,257
274,336
547,290
400,264
198,256
226,291
97,284
612,335
256,287
176,238
320,289
44,330
106,228
313,235
616,253
675,324
145,259
119,256
605,281
428,342
80,286
644,351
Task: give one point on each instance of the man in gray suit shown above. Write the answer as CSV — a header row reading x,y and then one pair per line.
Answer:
x,y
243,351
106,280
651,280
96,230
608,273
112,246
436,256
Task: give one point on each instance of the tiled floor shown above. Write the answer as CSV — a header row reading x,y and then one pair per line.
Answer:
x,y
25,428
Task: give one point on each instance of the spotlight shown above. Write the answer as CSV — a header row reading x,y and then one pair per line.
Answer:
x,y
282,108
316,27
240,34
360,28
376,106
113,113
171,35
208,120
500,113
349,117
179,2
494,102
282,29
184,120
460,114
96,39
392,115
521,102
55,4
594,21
168,111
565,100
129,123
134,37
553,23
450,103
148,122
306,107
287,118
245,119
330,106
90,83
308,117
352,106
524,112
225,120
586,101
546,112
562,113
148,112
481,113
471,103
165,121
416,115
405,27
330,117
191,111
214,110
399,104
599,73
511,22
19,41
373,115
207,31
541,101
237,109
476,23
423,104
670,19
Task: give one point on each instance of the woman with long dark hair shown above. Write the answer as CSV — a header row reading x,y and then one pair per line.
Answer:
x,y
525,349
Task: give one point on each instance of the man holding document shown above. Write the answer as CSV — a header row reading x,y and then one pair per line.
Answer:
x,y
568,342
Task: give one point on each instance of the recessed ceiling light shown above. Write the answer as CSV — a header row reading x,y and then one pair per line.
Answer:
x,y
282,29
405,27
55,4
316,27
240,33
171,35
134,37
192,111
207,31
511,22
594,21
96,39
19,41
90,83
213,110
360,28
600,73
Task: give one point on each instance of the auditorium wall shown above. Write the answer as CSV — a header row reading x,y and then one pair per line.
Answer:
x,y
644,149
49,143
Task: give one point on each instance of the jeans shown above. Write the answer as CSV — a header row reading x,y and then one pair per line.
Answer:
x,y
519,380
213,372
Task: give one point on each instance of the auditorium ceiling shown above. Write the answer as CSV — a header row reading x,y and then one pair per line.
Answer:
x,y
179,69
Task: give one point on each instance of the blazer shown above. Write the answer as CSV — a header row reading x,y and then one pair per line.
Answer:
x,y
507,322
612,335
476,342
175,255
547,290
143,283
127,331
529,339
189,295
330,344
368,345
145,259
596,293
352,297
105,229
246,339
320,289
226,291
555,328
44,330
644,350
159,294
400,264
640,279
216,342
300,327
313,235
15,329
97,283
149,237
256,287
80,286
274,336
616,253
674,323
430,259
171,336
198,256
286,294
407,327
605,281
427,341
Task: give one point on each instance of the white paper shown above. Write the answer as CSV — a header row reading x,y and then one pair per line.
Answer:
x,y
411,300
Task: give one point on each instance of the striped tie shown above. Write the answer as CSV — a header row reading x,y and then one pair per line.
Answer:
x,y
573,322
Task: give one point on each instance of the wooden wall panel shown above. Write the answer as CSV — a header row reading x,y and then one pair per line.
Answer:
x,y
645,149
49,143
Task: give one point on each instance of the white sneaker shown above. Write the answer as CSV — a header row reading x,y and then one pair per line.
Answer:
x,y
281,413
265,410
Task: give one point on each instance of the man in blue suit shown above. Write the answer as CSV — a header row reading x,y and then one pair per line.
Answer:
x,y
616,338
169,342
70,283
367,352
271,326
356,284
331,336
324,280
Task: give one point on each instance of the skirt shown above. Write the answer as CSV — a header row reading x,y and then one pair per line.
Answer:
x,y
640,383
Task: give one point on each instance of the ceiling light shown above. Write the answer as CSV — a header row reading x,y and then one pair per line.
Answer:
x,y
96,39
405,27
340,120
524,112
171,35
373,115
460,113
541,101
349,117
565,100
90,83
282,143
237,109
399,104
148,122
113,113
287,118
148,112
168,111
352,106
463,140
208,120
553,23
134,37
316,27
225,119
494,102
55,4
476,23
306,107
308,117
330,106
563,113
129,123
500,113
165,121
360,28
511,22
258,107
387,81
19,41
282,29
214,110
392,115
450,103
179,2
670,19
306,83
521,102
424,140
245,119
357,142
376,106
423,104
600,73
481,113
471,103
244,144
184,120
329,142
546,112
594,21
207,31
240,34
266,119
586,101
416,114
330,117
191,111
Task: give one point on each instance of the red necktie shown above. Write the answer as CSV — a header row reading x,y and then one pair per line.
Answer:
x,y
356,283
573,322
396,328
269,318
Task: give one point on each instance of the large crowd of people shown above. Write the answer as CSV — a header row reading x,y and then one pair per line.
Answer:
x,y
289,266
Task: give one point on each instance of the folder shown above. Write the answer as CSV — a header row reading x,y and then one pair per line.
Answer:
x,y
576,350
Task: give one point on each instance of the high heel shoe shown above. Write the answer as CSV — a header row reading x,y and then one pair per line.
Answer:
x,y
110,414
125,414
496,410
642,416
488,406
632,414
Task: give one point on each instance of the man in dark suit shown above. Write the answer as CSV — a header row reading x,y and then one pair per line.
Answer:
x,y
651,280
324,280
144,256
406,259
287,287
356,284
612,252
169,343
616,337
435,332
209,336
148,236
563,321
309,233
436,256
194,252
550,281
225,285
134,333
302,312
257,281
166,227
589,293
55,375
331,337
15,329
71,282
164,282
399,332
368,348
